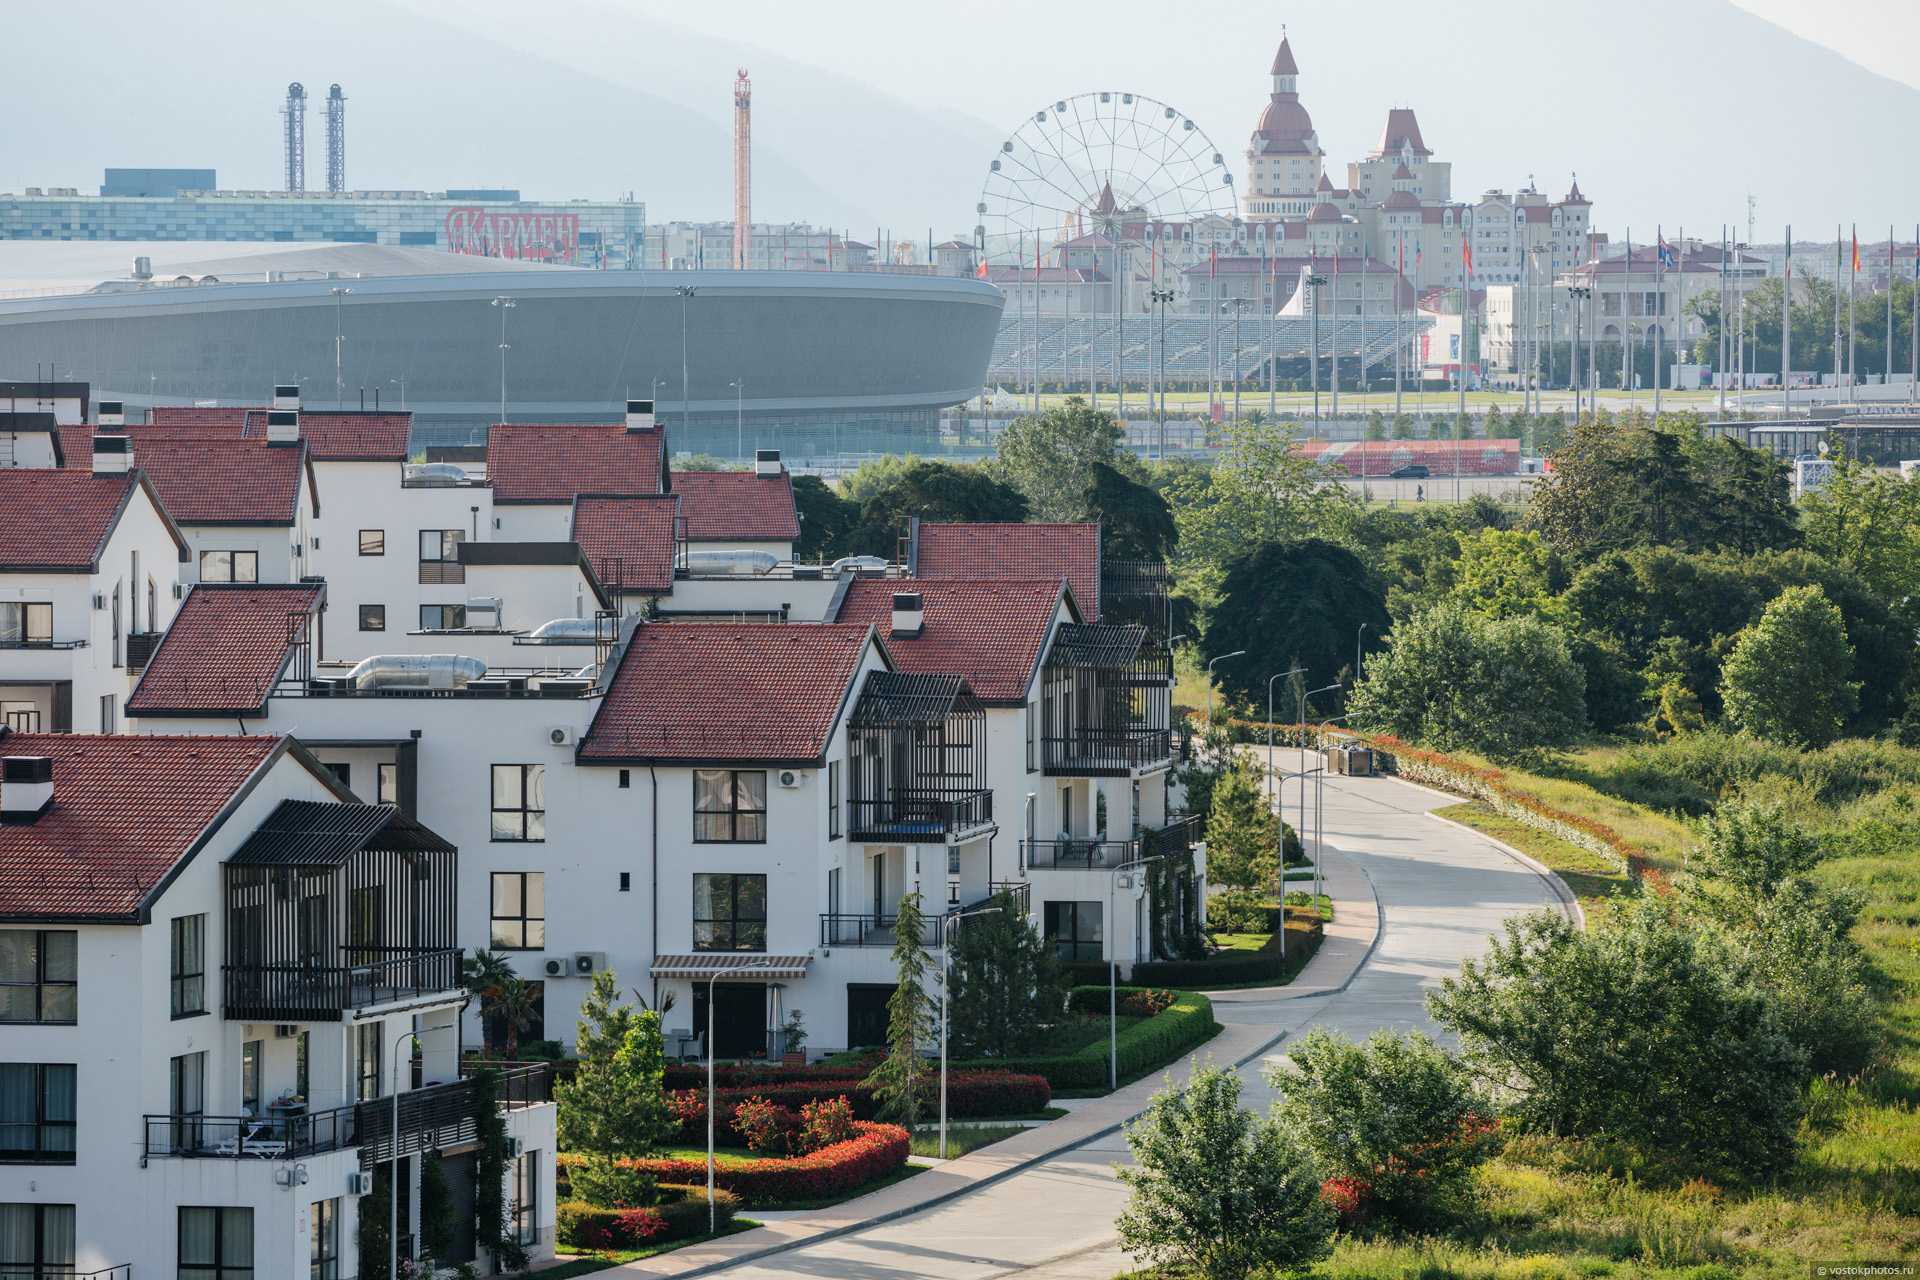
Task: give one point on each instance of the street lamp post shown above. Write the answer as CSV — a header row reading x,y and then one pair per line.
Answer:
x,y
402,384
393,1153
339,342
1237,653
1314,281
1113,969
946,978
713,978
1233,364
1161,297
1278,675
1579,295
505,304
1358,636
685,291
739,386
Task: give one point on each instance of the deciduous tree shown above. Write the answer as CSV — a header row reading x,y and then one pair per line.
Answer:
x,y
1786,679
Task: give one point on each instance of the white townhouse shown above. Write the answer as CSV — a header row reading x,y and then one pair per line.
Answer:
x,y
536,469
90,570
222,978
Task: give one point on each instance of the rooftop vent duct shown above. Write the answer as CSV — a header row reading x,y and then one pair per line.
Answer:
x,y
286,396
639,415
565,631
766,462
113,413
283,426
711,563
112,454
442,671
26,787
909,613
143,268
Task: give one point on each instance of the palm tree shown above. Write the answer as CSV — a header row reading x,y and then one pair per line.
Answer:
x,y
487,976
514,1008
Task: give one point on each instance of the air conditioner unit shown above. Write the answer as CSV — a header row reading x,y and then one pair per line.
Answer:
x,y
588,963
790,778
285,1031
291,1175
359,1183
561,735
514,1148
178,591
557,967
99,599
1123,880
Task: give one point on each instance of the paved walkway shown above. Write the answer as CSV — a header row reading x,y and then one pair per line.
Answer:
x,y
1413,897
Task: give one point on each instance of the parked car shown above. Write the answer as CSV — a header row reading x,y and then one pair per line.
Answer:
x,y
1412,471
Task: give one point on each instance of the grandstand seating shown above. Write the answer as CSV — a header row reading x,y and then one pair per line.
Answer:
x,y
1072,347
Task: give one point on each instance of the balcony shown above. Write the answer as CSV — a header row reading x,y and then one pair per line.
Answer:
x,y
437,1117
140,647
1176,838
842,929
908,818
311,992
1106,703
1106,753
917,760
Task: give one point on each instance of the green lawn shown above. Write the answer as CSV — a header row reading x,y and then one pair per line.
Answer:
x,y
963,1138
587,1264
1592,878
1241,941
1077,1032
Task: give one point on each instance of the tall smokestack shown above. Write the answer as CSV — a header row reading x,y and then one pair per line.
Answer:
x,y
336,141
293,118
742,168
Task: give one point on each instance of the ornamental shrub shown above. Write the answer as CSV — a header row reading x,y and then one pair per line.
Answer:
x,y
825,1122
971,1095
767,1129
681,1213
874,1151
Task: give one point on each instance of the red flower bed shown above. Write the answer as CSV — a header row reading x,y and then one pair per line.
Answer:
x,y
874,1151
971,1095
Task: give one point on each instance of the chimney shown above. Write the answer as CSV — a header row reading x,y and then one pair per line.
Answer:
x,y
283,426
286,396
909,613
112,413
26,787
639,415
766,462
143,267
112,453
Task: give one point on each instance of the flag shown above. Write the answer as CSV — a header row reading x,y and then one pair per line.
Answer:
x,y
1466,254
981,270
1856,251
1666,254
1213,261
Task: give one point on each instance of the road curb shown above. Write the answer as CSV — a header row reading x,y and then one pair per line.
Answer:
x,y
1569,903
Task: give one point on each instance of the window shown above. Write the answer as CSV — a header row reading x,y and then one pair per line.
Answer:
x,y
117,660
250,1077
373,542
520,802
730,806
37,1112
323,1240
229,566
526,1198
366,1057
36,1241
301,1074
373,617
729,912
342,772
1032,720
443,617
386,787
23,624
106,713
187,1097
1074,929
189,965
833,799
39,975
440,556
216,1244
519,910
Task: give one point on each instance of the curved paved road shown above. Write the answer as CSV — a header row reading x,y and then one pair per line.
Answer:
x,y
1441,889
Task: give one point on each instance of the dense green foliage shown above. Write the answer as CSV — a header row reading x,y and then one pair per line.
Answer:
x,y
614,1105
900,1080
1007,988
930,490
1243,841
1143,1046
1786,678
1292,604
1218,1190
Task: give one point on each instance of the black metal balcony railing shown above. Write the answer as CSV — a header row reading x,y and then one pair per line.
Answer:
x,y
1105,752
122,1272
438,1116
304,993
43,644
1177,837
911,818
140,647
1021,891
841,929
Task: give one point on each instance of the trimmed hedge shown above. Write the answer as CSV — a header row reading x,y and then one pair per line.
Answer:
x,y
584,1228
1230,968
983,1093
1143,1047
874,1151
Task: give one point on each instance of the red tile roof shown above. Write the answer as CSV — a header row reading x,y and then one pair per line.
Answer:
x,y
126,808
186,415
209,478
990,632
225,650
693,692
350,436
737,506
58,521
552,462
1023,551
628,541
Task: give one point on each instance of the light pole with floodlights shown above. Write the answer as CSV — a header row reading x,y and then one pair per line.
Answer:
x,y
505,304
685,291
339,293
946,979
739,386
715,977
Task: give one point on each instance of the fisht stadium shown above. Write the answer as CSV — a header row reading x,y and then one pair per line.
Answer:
x,y
813,363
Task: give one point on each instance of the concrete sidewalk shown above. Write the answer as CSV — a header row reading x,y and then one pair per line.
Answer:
x,y
1350,939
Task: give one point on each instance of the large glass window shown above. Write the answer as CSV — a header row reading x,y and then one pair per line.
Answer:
x,y
36,1241
216,1244
323,1240
1074,929
23,623
526,1197
519,910
187,1091
39,975
730,806
519,802
443,617
366,1055
229,566
440,556
250,1055
386,784
189,965
37,1112
729,912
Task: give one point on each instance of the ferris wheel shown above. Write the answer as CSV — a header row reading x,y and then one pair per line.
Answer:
x,y
1093,163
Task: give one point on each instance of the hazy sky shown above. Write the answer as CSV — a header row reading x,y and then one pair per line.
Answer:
x,y
1880,35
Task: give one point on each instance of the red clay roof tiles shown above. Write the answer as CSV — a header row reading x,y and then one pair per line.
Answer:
x,y
126,808
58,520
1024,551
552,462
207,477
693,693
225,650
628,541
737,506
346,436
990,632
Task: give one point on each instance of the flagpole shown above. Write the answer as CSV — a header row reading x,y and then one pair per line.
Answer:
x,y
1399,356
1722,356
1333,346
1887,377
1659,309
1839,265
1786,331
1626,330
1853,334
1213,328
1273,308
1913,329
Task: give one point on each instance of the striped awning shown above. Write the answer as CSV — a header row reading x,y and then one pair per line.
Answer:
x,y
705,964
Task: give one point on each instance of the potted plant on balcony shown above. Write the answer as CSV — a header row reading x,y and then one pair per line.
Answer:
x,y
793,1041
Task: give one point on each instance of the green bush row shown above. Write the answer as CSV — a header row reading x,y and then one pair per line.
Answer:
x,y
1231,968
1143,1047
681,1213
